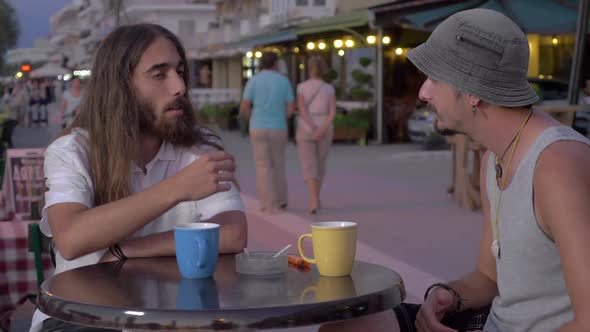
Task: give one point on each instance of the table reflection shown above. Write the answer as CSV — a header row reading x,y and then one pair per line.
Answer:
x,y
151,294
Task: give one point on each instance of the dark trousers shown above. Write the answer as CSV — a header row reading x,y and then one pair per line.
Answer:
x,y
56,325
468,320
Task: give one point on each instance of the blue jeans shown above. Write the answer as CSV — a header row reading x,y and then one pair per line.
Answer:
x,y
467,320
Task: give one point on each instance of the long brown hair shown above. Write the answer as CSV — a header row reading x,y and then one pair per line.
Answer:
x,y
110,110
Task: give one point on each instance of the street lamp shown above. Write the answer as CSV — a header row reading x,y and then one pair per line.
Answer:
x,y
322,45
249,54
338,43
341,52
386,40
371,39
258,54
310,45
349,43
399,51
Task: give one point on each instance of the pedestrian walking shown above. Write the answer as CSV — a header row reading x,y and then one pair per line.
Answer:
x,y
272,98
316,104
70,101
19,102
37,111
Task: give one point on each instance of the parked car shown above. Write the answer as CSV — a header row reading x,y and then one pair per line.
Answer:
x,y
552,92
421,124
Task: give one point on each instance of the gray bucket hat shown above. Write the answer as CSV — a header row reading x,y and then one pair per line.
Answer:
x,y
481,52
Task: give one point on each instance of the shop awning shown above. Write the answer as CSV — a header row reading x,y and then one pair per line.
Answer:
x,y
533,16
339,22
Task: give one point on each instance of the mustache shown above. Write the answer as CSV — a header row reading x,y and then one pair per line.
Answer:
x,y
181,102
431,108
441,131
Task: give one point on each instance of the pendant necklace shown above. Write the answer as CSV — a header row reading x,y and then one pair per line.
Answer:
x,y
501,181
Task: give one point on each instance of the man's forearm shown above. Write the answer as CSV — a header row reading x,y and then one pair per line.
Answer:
x,y
476,289
100,227
245,109
153,245
233,237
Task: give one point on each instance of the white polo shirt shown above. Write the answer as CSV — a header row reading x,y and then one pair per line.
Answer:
x,y
67,173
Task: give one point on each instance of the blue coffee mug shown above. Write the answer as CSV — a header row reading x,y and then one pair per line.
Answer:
x,y
197,294
197,248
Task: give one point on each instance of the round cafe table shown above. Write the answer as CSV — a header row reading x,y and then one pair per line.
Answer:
x,y
150,294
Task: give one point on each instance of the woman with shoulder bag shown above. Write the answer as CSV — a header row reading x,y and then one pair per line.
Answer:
x,y
317,107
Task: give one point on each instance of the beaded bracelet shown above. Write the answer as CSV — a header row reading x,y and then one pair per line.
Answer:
x,y
458,299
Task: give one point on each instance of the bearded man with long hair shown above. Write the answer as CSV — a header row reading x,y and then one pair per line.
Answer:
x,y
134,162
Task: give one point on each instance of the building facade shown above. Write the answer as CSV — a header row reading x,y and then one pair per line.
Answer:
x,y
77,28
40,53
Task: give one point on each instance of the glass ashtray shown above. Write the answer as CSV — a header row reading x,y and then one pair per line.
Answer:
x,y
261,263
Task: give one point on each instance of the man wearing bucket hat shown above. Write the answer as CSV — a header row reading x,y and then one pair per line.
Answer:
x,y
532,272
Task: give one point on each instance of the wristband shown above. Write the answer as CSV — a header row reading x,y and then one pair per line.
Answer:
x,y
458,299
116,251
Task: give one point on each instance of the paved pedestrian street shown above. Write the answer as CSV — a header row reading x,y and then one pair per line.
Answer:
x,y
396,193
406,219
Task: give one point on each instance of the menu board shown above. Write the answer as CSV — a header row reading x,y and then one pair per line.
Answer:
x,y
24,183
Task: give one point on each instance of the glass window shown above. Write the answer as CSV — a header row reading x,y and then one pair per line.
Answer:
x,y
319,2
301,3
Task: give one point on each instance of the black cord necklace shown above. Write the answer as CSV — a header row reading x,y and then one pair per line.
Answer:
x,y
499,170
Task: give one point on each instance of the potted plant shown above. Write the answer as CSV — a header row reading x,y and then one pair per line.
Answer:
x,y
218,115
360,94
352,126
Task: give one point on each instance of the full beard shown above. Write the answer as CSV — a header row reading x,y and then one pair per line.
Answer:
x,y
176,130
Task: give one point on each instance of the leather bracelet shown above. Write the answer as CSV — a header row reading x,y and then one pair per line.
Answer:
x,y
458,299
120,251
116,251
115,254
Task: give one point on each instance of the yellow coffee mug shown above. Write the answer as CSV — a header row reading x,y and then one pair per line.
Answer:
x,y
330,289
334,247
